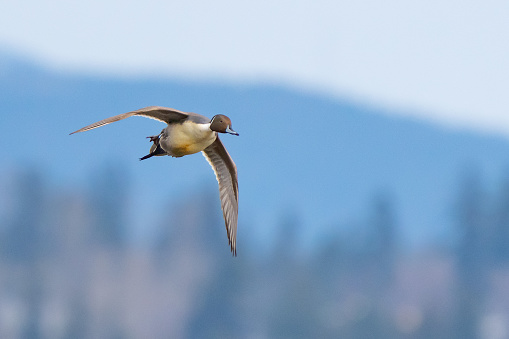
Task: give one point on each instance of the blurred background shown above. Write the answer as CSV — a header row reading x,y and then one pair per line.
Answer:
x,y
373,163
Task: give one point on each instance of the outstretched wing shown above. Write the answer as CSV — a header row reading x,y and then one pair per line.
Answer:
x,y
226,174
167,115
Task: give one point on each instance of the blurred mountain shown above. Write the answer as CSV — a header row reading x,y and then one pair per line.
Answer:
x,y
323,157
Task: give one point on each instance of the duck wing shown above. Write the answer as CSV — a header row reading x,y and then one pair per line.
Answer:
x,y
226,174
167,115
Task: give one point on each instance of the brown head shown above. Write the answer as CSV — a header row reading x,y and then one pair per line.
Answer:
x,y
222,124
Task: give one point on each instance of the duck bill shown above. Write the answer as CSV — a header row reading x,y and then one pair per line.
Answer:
x,y
229,130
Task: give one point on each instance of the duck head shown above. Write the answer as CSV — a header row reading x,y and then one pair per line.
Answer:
x,y
222,124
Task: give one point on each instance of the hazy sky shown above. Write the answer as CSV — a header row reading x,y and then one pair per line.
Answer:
x,y
446,60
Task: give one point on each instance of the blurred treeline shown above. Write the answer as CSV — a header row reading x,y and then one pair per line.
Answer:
x,y
71,269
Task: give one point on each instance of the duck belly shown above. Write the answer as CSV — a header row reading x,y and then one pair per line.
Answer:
x,y
187,138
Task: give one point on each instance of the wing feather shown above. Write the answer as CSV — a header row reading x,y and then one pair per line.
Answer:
x,y
226,175
167,115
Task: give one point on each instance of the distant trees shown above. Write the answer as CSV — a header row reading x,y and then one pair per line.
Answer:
x,y
42,235
471,255
482,218
499,234
108,198
66,254
23,244
384,236
22,240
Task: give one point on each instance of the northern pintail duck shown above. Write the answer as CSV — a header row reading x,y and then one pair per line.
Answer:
x,y
189,133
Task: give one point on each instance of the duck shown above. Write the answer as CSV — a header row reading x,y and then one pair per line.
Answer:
x,y
188,133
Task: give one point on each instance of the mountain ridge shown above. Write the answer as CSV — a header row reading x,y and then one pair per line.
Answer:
x,y
325,157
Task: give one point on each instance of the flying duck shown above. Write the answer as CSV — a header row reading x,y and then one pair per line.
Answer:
x,y
189,133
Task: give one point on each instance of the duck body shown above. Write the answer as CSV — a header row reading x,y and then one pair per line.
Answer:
x,y
186,138
188,133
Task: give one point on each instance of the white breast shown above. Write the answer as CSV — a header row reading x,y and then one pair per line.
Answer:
x,y
187,138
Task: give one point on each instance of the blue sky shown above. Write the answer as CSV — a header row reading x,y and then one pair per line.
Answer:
x,y
442,60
